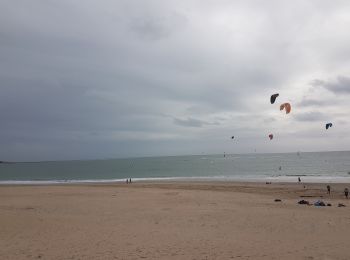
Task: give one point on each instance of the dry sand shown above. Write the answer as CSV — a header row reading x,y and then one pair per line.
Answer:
x,y
172,221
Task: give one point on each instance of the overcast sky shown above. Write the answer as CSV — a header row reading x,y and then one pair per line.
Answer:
x,y
83,79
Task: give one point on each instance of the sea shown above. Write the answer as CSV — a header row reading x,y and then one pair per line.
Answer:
x,y
322,167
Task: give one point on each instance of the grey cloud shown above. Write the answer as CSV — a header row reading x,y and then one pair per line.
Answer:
x,y
192,122
339,86
306,102
310,117
157,27
269,120
149,29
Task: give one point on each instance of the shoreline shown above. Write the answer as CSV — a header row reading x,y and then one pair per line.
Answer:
x,y
307,179
290,190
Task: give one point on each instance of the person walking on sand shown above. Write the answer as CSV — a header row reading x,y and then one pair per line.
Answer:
x,y
130,180
299,180
127,181
346,192
329,189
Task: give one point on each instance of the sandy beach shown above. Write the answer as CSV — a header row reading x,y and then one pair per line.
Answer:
x,y
173,221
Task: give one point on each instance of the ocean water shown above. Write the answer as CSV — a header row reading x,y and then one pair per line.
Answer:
x,y
312,167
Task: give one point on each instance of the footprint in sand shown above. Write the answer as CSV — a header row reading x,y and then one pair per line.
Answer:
x,y
171,193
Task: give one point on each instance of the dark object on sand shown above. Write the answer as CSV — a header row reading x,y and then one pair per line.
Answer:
x,y
319,203
310,196
278,200
346,192
303,202
268,182
328,189
329,205
341,205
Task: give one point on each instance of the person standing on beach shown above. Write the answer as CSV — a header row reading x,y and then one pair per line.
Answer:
x,y
130,180
346,192
299,180
329,189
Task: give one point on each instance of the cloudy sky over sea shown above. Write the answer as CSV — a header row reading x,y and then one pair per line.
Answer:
x,y
105,79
